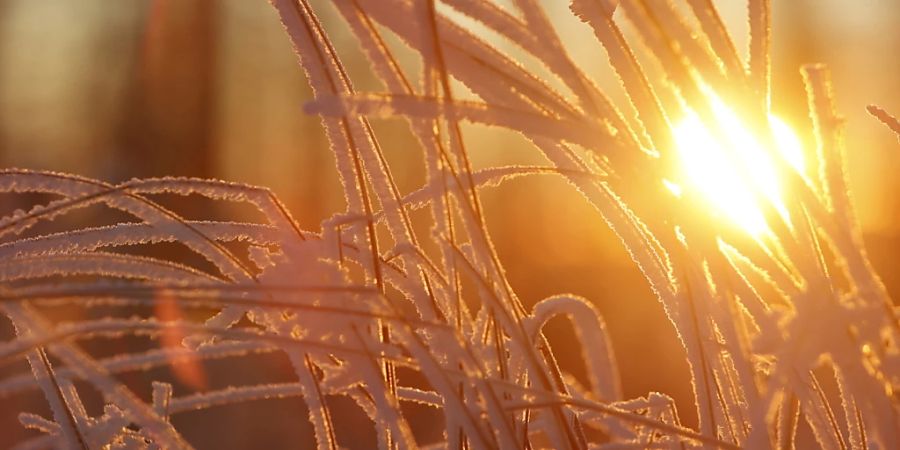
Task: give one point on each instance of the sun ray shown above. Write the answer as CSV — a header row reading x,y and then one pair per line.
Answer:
x,y
730,168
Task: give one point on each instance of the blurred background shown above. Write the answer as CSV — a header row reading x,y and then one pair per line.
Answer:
x,y
211,88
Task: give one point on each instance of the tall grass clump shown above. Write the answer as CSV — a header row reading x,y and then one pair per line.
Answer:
x,y
768,317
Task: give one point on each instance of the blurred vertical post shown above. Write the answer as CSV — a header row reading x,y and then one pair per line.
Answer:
x,y
4,21
167,126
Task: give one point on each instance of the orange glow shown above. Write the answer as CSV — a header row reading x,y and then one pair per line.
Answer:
x,y
729,167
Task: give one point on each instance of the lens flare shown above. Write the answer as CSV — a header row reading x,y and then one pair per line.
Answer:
x,y
727,164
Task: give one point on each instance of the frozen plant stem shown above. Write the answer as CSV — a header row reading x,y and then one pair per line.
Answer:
x,y
766,326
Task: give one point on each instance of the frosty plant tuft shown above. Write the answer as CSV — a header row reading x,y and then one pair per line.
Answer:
x,y
747,238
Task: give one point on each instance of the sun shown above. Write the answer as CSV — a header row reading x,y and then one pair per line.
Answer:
x,y
728,166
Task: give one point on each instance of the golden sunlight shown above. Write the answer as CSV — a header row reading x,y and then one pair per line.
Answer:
x,y
729,167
